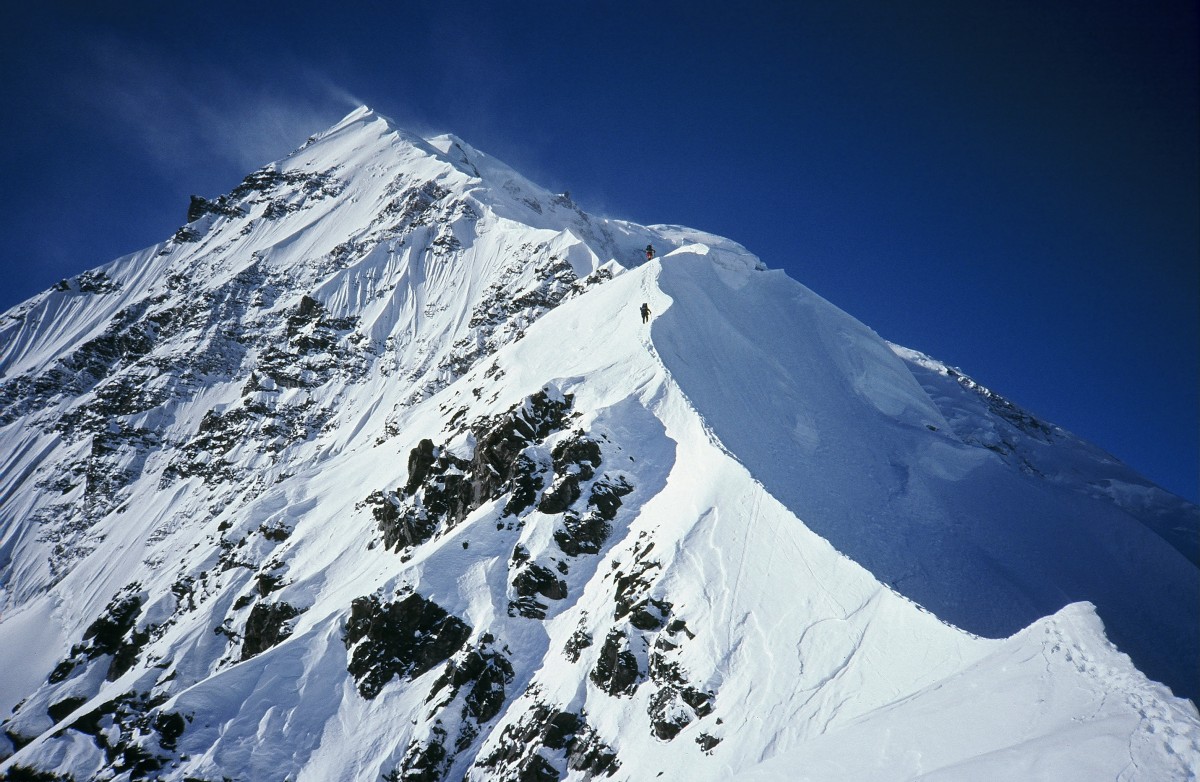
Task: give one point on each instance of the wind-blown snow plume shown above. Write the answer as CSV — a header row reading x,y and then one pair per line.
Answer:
x,y
373,470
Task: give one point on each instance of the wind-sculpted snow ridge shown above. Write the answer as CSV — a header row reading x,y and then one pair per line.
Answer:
x,y
373,471
946,492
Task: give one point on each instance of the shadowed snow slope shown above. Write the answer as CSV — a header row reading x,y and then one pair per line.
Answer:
x,y
373,470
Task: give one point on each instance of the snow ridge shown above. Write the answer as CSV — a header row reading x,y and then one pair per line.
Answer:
x,y
373,470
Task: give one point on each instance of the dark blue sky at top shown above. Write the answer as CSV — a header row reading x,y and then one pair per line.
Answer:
x,y
1010,187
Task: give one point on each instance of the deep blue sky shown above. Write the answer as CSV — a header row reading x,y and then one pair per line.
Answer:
x,y
1010,187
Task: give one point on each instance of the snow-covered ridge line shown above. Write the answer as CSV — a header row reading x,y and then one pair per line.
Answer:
x,y
377,470
1108,479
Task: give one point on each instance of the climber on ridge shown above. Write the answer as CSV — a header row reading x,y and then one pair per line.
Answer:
x,y
645,312
649,252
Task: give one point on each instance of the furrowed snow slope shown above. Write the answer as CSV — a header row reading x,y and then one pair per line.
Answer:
x,y
373,470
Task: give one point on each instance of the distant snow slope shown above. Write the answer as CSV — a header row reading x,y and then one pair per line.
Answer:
x,y
374,471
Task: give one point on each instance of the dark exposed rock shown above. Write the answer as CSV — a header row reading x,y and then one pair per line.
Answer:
x,y
582,452
263,185
445,496
425,761
226,629
62,670
401,527
267,582
420,460
668,714
448,494
443,489
59,711
534,579
586,535
170,727
127,653
536,768
632,598
500,443
578,536
114,460
119,727
110,629
526,482
579,640
561,728
221,431
278,209
113,633
186,235
678,702
230,557
405,638
606,496
20,773
445,242
310,329
415,205
484,672
520,555
591,755
275,531
127,338
199,207
616,670
96,281
680,626
470,692
544,744
270,577
267,626
1004,408
575,461
561,496
125,394
707,742
649,614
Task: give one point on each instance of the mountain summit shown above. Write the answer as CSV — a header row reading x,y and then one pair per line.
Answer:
x,y
375,470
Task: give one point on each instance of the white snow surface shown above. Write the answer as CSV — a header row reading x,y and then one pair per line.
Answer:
x,y
846,560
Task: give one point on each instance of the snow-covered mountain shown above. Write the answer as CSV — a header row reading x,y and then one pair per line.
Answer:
x,y
374,471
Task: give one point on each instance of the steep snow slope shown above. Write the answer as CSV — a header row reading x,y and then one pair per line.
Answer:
x,y
1000,720
989,518
374,471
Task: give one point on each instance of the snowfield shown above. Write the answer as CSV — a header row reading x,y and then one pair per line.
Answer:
x,y
373,471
